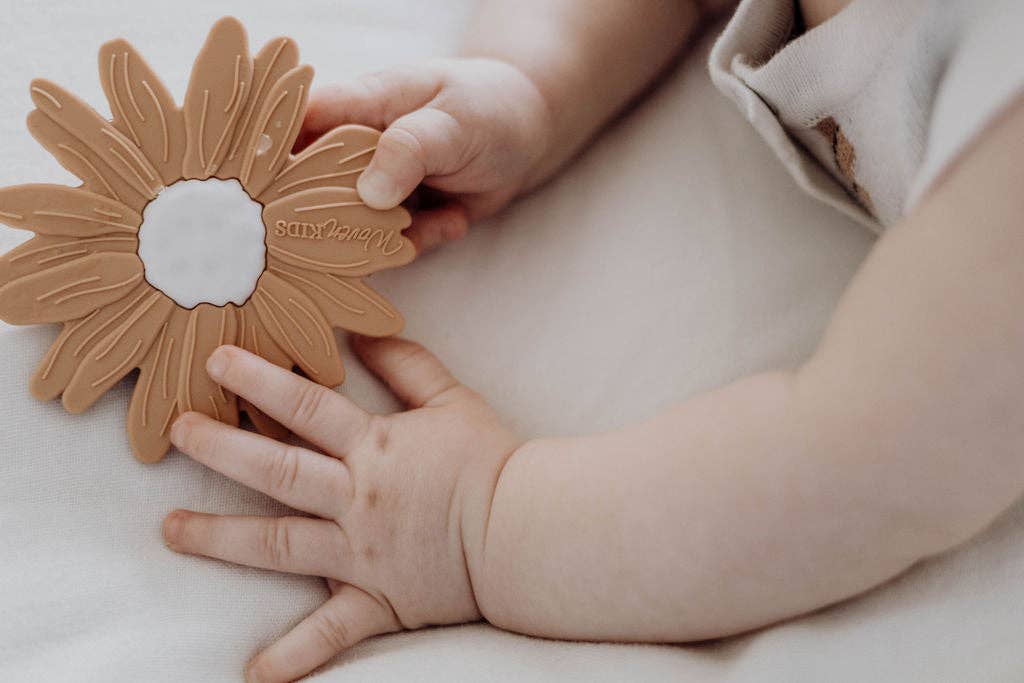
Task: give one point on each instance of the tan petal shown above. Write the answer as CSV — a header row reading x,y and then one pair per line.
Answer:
x,y
63,210
220,83
298,327
154,403
142,107
277,126
346,302
48,251
254,337
264,424
118,353
70,291
76,340
334,160
74,155
273,61
208,327
330,230
80,120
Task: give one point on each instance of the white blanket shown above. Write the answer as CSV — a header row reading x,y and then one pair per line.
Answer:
x,y
675,255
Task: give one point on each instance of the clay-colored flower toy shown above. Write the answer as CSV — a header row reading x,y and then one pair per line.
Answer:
x,y
194,227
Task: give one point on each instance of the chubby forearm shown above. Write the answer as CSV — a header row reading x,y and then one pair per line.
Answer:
x,y
715,517
781,493
588,59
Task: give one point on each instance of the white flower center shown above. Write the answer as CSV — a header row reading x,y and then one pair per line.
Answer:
x,y
202,241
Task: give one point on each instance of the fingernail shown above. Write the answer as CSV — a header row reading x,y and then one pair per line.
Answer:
x,y
172,528
177,433
217,363
377,189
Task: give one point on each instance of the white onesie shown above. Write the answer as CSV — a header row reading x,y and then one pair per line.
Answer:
x,y
867,109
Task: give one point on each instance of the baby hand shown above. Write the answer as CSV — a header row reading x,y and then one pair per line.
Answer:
x,y
470,129
400,501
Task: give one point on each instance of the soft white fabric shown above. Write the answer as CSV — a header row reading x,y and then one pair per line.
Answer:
x,y
675,255
909,84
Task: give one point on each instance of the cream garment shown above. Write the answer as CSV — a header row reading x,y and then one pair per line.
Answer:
x,y
867,109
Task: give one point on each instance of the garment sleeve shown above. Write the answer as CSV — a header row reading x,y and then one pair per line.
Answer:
x,y
984,75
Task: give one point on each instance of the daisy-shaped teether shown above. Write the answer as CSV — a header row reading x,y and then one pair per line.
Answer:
x,y
194,227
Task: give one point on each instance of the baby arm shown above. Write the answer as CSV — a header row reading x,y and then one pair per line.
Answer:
x,y
775,495
784,492
534,81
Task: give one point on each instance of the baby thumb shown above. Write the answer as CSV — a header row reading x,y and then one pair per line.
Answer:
x,y
415,146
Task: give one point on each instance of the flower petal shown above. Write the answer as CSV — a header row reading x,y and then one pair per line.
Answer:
x,y
334,160
220,83
48,251
81,121
330,230
154,403
76,340
208,327
63,210
254,337
74,155
277,126
70,291
119,353
142,107
346,302
273,61
298,327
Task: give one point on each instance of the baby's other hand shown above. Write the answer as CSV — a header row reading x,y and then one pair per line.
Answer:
x,y
400,501
469,130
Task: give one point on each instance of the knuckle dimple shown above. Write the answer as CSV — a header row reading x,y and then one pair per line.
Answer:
x,y
307,405
275,542
369,554
378,434
283,469
334,631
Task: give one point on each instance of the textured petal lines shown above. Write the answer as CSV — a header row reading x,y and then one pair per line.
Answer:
x,y
239,120
299,328
154,403
142,107
273,61
346,302
254,337
220,84
277,126
70,291
63,210
208,327
78,158
120,352
334,160
82,122
49,251
330,230
76,340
